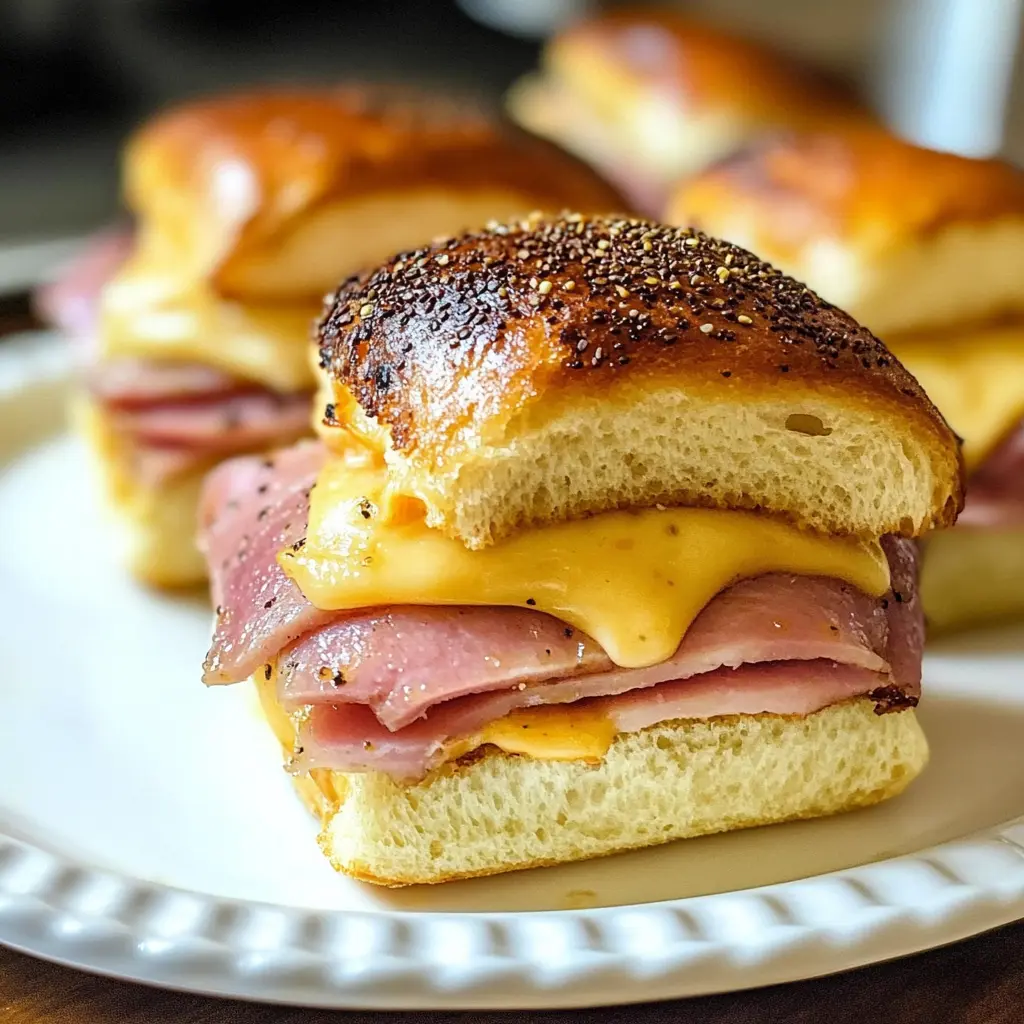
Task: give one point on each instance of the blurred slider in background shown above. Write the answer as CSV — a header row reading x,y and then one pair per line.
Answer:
x,y
926,249
78,77
649,94
250,207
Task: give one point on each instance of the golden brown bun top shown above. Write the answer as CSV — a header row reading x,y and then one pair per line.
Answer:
x,y
707,67
792,189
446,344
254,163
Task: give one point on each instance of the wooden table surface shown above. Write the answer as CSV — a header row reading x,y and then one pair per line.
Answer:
x,y
976,982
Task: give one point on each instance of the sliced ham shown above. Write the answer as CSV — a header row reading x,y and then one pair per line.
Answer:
x,y
143,383
404,662
251,509
241,421
399,683
350,738
173,416
995,492
388,688
179,417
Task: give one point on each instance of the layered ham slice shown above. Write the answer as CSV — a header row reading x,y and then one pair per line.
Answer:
x,y
251,509
173,434
137,384
402,662
351,738
239,421
392,689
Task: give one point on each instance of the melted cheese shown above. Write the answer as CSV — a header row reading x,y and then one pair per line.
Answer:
x,y
151,311
564,733
633,580
975,378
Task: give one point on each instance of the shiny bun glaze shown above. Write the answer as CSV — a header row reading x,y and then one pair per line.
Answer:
x,y
443,346
649,47
241,169
794,188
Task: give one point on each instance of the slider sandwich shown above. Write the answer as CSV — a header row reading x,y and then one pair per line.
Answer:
x,y
647,95
925,248
607,542
248,209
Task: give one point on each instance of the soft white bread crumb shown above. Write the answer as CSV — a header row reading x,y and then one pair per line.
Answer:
x,y
671,781
822,463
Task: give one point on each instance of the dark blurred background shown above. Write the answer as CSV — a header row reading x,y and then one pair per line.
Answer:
x,y
77,75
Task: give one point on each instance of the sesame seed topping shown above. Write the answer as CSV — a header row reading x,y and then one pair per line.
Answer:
x,y
608,293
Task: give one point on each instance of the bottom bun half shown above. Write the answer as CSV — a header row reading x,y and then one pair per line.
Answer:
x,y
494,812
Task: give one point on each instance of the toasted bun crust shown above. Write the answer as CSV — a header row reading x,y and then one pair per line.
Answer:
x,y
227,180
903,237
648,94
561,367
498,812
652,48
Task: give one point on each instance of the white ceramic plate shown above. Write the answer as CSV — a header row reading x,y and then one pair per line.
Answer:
x,y
147,830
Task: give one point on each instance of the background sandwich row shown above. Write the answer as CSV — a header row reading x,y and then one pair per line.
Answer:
x,y
248,208
924,248
602,511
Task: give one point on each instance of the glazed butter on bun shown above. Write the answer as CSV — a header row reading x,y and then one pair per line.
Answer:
x,y
924,248
607,542
649,95
249,208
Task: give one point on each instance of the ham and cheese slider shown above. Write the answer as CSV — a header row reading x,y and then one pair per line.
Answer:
x,y
925,248
607,543
647,94
249,208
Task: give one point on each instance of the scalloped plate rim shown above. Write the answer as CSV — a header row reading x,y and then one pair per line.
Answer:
x,y
763,940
